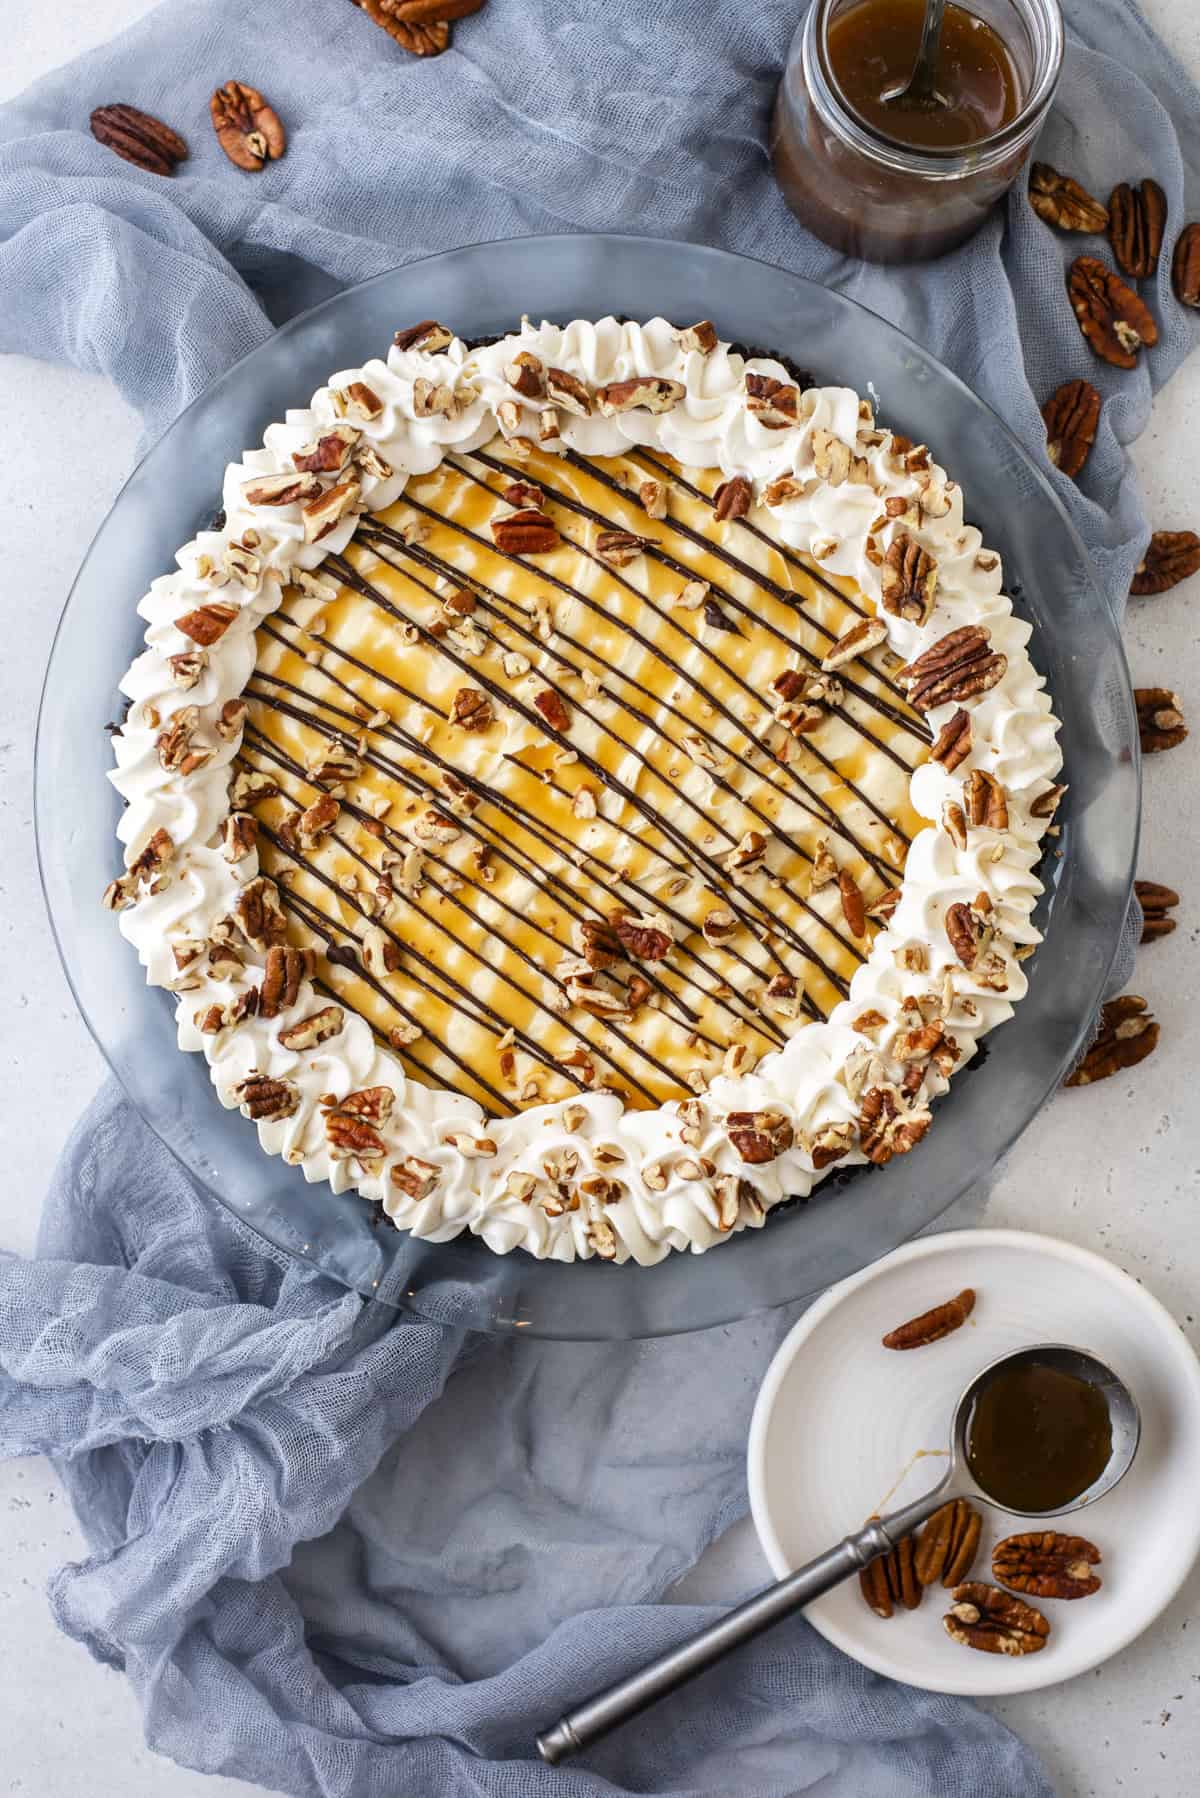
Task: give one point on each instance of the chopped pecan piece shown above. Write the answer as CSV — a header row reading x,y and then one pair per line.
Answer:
x,y
186,668
853,906
178,752
1046,804
569,392
280,489
428,337
286,968
260,914
952,745
954,823
824,868
1047,1564
985,800
1072,418
525,533
324,513
835,461
775,404
248,130
332,765
993,1621
239,836
317,819
970,930
1156,902
1111,316
1171,556
759,1136
415,1178
885,905
958,666
317,1028
1160,719
645,939
352,1124
328,453
888,1126
1185,266
1127,1034
526,375
702,337
358,401
471,709
599,943
553,708
649,393
248,787
908,580
891,1579
653,497
747,855
523,496
784,488
1137,217
205,625
829,1143
1061,201
139,137
620,548
733,498
948,1544
932,1325
865,635
265,1100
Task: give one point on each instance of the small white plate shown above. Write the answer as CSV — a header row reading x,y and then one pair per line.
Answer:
x,y
844,1427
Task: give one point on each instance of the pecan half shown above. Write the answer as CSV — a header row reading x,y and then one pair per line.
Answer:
x,y
139,137
317,1028
248,130
266,1100
985,801
646,393
642,938
1112,318
948,1544
865,635
952,745
1137,217
958,666
993,1621
1061,201
286,968
1072,416
1047,1564
891,1579
932,1325
733,498
1156,902
888,1126
1171,557
419,37
526,533
1185,266
1127,1034
759,1136
260,914
1160,719
907,580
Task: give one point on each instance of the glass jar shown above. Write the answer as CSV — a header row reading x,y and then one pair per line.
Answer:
x,y
882,200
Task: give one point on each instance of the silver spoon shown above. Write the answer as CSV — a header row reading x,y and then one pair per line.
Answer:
x,y
919,89
603,1712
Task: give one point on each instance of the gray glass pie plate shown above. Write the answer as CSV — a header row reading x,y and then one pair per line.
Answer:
x,y
803,1248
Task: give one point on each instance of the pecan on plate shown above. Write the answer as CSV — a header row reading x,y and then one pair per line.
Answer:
x,y
891,1579
948,1544
1072,416
1047,1564
1160,719
139,137
932,1325
1185,266
248,130
1157,902
1136,219
993,1621
908,580
1171,556
1113,320
1061,201
958,666
1127,1034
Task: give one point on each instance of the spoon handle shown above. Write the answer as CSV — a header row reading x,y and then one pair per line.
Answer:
x,y
925,67
597,1715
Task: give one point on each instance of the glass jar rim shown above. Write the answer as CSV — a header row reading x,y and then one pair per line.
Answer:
x,y
933,161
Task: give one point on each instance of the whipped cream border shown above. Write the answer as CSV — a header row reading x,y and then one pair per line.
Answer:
x,y
815,1081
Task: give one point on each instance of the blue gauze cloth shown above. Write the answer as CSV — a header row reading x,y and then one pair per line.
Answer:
x,y
316,1576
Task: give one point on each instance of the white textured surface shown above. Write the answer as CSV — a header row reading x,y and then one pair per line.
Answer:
x,y
1116,1168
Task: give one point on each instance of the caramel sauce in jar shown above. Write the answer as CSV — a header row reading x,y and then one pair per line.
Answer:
x,y
1038,1437
873,48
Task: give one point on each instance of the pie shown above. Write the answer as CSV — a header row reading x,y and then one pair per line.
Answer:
x,y
584,787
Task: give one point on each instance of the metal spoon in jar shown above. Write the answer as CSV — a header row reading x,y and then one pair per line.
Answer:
x,y
606,1710
919,89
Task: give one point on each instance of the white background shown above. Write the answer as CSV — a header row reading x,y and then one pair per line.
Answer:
x,y
1116,1167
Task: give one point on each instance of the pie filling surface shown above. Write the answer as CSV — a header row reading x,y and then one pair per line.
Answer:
x,y
587,788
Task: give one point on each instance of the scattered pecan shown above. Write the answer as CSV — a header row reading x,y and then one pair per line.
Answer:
x,y
206,624
1171,557
419,37
139,137
317,819
853,907
1185,266
1160,719
187,667
1127,1034
620,548
986,1618
247,129
948,1544
885,905
931,1326
266,1100
908,580
958,666
178,751
428,336
526,533
1112,318
952,745
888,1126
733,498
239,835
415,1178
554,709
325,511
759,1136
286,968
985,801
1061,201
471,709
1156,902
260,914
969,929
775,404
891,1579
328,453
647,393
1136,219
653,498
352,1124
1047,1565
642,938
701,336
1072,416
317,1028
865,635
281,489
526,375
